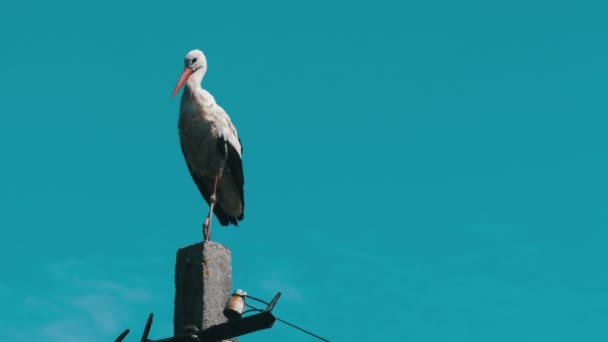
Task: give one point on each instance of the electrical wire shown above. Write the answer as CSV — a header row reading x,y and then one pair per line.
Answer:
x,y
302,330
251,311
257,299
280,320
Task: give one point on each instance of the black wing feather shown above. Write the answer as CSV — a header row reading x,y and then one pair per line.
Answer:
x,y
222,217
234,166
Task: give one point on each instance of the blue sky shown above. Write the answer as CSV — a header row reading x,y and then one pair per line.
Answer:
x,y
422,171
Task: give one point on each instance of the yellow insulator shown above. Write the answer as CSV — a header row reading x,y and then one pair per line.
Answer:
x,y
235,305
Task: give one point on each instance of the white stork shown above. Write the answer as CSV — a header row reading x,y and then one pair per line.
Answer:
x,y
211,146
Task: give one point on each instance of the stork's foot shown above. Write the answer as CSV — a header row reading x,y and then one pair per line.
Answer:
x,y
207,229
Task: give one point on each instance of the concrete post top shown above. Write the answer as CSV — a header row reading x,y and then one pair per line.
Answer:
x,y
206,245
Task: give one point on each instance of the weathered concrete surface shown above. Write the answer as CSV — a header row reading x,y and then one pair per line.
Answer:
x,y
203,281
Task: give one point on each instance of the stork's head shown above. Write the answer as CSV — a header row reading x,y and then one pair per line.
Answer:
x,y
195,62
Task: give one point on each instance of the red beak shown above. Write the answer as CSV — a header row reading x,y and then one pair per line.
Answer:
x,y
185,74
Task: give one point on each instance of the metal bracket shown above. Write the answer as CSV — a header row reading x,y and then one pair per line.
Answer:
x,y
234,328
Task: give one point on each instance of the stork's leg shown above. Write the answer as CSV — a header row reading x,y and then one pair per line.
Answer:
x,y
212,199
223,149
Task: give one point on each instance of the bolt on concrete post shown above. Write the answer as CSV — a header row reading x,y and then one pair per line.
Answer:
x,y
203,283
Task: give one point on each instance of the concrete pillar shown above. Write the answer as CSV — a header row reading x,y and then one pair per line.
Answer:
x,y
203,283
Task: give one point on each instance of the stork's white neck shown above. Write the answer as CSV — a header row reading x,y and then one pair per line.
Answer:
x,y
194,81
194,92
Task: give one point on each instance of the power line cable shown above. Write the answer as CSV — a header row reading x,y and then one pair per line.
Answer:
x,y
280,320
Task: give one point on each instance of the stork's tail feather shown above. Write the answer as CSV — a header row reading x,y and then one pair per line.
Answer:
x,y
225,219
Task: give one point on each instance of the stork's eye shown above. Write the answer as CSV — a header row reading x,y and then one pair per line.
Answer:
x,y
194,60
